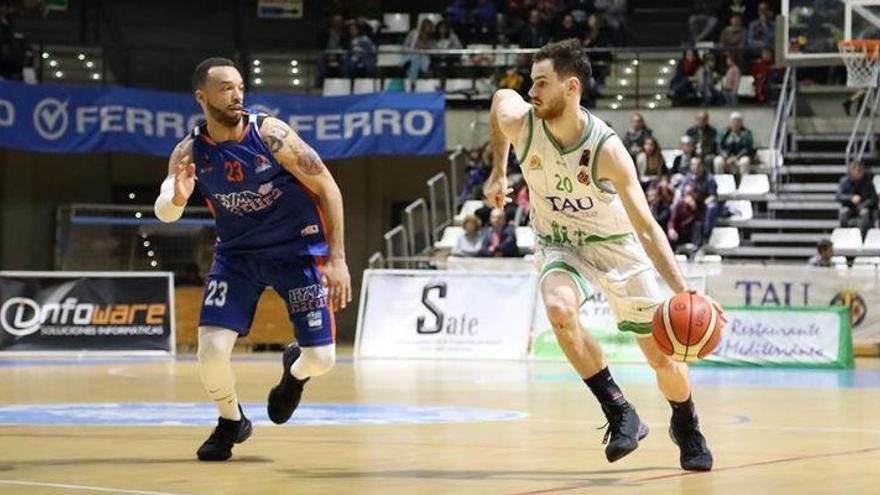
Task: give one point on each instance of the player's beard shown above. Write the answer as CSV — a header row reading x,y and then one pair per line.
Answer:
x,y
551,109
222,116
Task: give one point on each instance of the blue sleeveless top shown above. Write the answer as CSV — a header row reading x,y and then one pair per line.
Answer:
x,y
259,207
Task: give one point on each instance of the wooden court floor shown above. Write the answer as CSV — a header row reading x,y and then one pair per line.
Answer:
x,y
420,427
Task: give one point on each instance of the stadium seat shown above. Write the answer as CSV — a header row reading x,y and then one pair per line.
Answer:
x,y
846,241
753,186
681,258
838,262
459,89
363,86
669,157
746,87
765,157
428,85
726,185
723,239
876,182
480,47
434,17
525,240
872,242
396,85
396,22
336,87
468,208
449,238
866,262
386,59
740,209
708,259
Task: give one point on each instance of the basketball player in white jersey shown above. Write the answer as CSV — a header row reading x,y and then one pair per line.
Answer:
x,y
595,232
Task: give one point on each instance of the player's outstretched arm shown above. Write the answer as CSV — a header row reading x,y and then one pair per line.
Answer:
x,y
615,164
506,117
178,185
303,162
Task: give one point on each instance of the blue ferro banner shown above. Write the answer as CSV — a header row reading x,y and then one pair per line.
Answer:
x,y
71,119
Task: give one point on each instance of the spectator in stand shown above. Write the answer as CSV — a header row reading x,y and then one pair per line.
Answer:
x,y
649,162
664,188
361,58
484,21
730,81
761,30
459,19
702,24
684,226
737,147
681,164
825,251
747,9
705,137
567,29
336,34
597,35
681,87
421,38
765,75
735,34
857,198
469,243
660,209
614,15
551,11
446,40
499,238
705,80
706,191
634,138
534,34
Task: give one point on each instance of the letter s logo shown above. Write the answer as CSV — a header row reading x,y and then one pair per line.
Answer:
x,y
438,314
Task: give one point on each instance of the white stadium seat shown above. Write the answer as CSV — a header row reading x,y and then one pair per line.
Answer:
x,y
386,59
846,240
724,239
746,87
363,86
469,207
525,239
872,242
753,186
427,85
337,87
740,209
866,262
726,185
449,238
396,22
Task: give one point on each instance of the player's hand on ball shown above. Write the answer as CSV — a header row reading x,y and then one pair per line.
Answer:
x,y
184,182
336,279
496,191
718,309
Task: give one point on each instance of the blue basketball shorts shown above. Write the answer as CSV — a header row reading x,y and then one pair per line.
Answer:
x,y
234,285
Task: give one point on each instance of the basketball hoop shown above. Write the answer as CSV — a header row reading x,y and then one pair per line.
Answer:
x,y
862,59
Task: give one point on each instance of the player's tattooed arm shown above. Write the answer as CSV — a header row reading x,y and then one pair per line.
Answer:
x,y
298,158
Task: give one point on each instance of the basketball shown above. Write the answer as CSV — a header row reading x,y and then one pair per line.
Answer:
x,y
687,327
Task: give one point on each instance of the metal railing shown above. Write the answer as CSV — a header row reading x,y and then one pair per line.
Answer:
x,y
415,234
862,141
398,236
457,160
785,112
440,209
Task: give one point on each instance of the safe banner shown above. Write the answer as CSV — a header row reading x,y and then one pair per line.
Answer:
x,y
70,119
436,314
86,311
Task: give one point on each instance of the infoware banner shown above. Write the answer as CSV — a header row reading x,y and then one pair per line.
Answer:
x,y
86,312
70,119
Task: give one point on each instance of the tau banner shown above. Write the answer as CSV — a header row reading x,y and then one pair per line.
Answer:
x,y
86,311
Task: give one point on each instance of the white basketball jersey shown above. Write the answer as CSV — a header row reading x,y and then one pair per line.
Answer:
x,y
569,206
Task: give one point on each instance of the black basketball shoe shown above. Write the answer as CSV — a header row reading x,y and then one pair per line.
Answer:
x,y
284,397
218,446
695,454
625,429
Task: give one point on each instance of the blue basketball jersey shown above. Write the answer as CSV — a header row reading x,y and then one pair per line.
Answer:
x,y
259,207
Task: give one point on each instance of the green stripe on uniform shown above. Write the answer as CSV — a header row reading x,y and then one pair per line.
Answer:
x,y
578,278
587,133
529,142
596,152
634,327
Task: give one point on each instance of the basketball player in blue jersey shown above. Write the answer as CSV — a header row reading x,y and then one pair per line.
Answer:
x,y
279,221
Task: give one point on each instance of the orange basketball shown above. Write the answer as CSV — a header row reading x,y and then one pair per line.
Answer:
x,y
687,327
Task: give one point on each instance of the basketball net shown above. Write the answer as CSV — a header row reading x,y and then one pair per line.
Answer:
x,y
862,59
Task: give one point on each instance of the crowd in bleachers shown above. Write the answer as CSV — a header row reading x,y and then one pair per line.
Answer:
x,y
14,50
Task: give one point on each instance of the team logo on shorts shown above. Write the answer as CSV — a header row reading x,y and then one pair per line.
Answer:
x,y
535,163
314,319
584,177
262,164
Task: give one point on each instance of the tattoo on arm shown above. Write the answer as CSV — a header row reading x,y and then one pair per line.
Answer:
x,y
275,138
307,159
